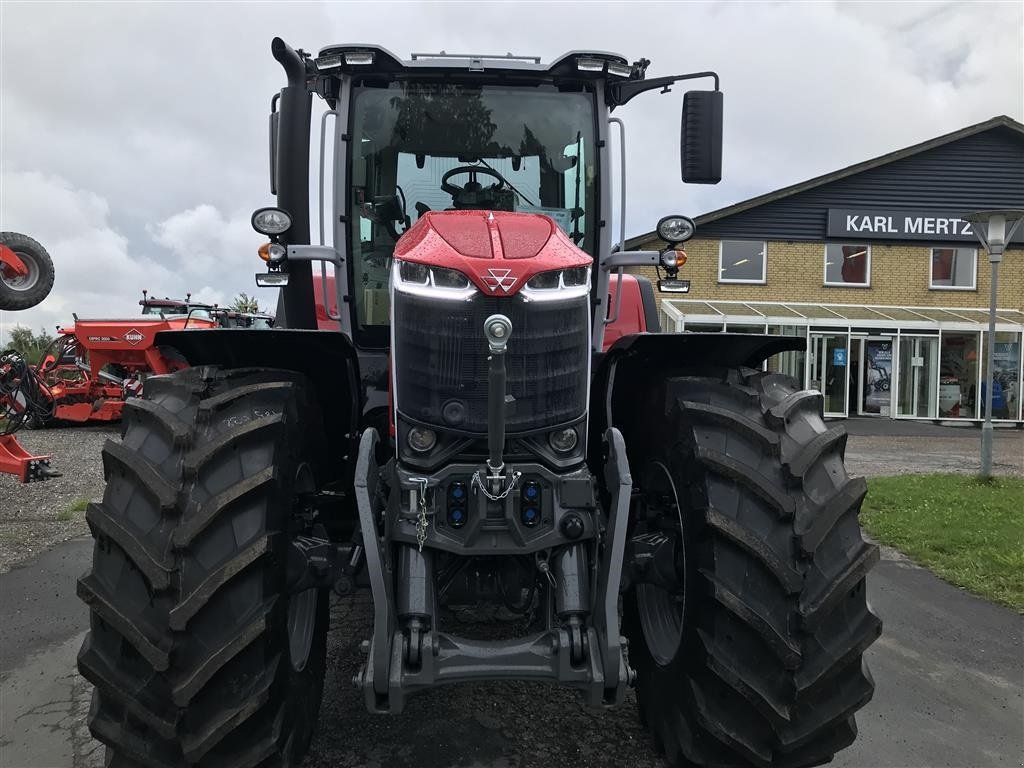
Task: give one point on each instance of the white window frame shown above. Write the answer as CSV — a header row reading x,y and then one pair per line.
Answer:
x,y
747,281
931,263
824,265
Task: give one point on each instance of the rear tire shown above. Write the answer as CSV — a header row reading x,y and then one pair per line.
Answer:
x,y
757,659
198,653
22,292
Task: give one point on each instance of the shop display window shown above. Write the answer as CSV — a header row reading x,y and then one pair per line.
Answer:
x,y
1005,377
958,376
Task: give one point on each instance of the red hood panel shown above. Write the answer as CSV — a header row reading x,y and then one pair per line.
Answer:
x,y
498,250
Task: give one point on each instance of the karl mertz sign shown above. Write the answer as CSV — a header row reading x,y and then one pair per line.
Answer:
x,y
902,225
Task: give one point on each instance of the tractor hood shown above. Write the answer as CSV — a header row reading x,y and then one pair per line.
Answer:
x,y
498,251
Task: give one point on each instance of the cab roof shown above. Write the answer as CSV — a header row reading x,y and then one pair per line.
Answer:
x,y
380,59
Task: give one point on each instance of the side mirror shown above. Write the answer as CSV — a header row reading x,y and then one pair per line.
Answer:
x,y
701,137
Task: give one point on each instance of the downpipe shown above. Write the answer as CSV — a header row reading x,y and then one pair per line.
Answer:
x,y
293,183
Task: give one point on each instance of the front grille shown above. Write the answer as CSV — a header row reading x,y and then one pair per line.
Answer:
x,y
441,356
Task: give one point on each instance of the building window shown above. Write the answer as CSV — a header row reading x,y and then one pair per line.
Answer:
x,y
847,264
954,269
742,261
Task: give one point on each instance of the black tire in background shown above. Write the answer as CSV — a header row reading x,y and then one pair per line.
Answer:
x,y
27,291
757,660
198,654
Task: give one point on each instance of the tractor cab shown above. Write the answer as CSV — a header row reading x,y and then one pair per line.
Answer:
x,y
167,307
443,133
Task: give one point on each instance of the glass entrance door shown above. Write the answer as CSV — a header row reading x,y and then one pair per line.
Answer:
x,y
830,370
918,377
875,376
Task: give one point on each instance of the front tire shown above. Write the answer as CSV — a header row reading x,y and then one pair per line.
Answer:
x,y
198,653
755,657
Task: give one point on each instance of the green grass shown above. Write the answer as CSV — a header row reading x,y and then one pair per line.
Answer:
x,y
967,531
79,505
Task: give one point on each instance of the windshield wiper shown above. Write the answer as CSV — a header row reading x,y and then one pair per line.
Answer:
x,y
510,184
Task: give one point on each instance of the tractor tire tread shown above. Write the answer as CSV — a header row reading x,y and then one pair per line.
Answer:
x,y
117,457
192,603
154,567
771,671
188,649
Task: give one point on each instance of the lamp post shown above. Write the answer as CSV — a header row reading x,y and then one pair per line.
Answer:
x,y
994,229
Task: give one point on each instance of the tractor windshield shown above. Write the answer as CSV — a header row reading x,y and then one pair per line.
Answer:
x,y
420,147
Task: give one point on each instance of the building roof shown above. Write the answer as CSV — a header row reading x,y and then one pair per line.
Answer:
x,y
998,122
746,314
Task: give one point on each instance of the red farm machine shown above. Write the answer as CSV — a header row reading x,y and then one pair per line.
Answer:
x,y
468,407
96,365
26,278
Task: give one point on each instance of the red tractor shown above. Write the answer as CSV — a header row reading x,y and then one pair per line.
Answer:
x,y
448,428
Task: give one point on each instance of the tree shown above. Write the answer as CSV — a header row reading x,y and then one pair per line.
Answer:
x,y
28,344
245,303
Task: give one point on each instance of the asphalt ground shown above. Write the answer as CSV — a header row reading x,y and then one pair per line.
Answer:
x,y
948,671
949,667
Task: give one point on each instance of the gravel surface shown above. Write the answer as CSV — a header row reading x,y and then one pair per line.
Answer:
x,y
887,455
36,516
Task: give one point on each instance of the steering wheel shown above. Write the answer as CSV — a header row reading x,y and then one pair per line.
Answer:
x,y
472,185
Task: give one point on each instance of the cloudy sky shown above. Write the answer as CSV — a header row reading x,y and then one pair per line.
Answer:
x,y
133,136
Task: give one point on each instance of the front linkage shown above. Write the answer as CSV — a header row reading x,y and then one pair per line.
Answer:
x,y
580,646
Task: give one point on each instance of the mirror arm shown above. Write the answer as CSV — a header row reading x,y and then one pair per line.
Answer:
x,y
626,90
630,259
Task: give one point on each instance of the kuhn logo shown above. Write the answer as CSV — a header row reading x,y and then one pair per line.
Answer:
x,y
499,278
133,336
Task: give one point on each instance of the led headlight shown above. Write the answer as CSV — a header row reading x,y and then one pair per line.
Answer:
x,y
558,284
271,221
430,281
676,229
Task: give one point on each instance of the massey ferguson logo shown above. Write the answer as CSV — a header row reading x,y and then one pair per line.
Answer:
x,y
133,337
499,278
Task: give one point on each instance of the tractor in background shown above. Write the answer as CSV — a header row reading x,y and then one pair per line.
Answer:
x,y
468,407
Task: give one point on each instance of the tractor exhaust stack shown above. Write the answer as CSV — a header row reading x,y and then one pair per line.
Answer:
x,y
292,173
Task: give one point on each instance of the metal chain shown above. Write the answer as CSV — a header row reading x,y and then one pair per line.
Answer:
x,y
421,518
477,482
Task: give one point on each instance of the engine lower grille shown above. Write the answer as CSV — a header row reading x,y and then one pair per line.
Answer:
x,y
441,358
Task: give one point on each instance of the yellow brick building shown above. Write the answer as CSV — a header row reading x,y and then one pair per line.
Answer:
x,y
875,266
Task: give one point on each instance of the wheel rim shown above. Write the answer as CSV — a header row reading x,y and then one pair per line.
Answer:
x,y
302,606
21,282
661,611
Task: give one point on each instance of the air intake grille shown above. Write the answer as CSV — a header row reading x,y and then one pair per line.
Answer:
x,y
441,359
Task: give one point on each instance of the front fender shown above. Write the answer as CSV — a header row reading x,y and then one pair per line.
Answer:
x,y
630,374
327,358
